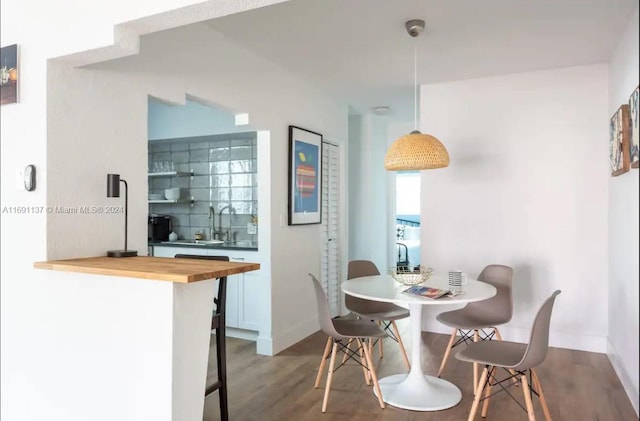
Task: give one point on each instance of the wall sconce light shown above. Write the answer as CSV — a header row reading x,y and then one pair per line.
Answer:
x,y
113,190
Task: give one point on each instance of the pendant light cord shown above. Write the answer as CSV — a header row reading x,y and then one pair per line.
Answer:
x,y
415,84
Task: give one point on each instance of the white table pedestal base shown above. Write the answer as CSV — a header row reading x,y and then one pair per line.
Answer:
x,y
426,393
415,391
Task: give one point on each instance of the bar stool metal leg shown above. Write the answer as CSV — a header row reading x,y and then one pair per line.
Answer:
x,y
218,324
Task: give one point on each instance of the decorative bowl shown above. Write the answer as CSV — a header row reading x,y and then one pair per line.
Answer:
x,y
407,277
172,193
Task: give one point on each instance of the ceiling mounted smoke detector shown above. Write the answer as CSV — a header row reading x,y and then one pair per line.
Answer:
x,y
380,110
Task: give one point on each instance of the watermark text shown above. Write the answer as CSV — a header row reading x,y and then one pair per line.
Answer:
x,y
82,209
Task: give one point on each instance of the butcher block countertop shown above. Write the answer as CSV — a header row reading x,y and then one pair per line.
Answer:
x,y
154,268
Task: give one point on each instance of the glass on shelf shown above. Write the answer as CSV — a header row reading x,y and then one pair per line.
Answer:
x,y
162,167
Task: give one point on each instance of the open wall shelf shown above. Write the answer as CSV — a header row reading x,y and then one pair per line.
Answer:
x,y
171,174
166,201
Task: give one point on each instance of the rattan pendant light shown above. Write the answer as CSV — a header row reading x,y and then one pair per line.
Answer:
x,y
416,151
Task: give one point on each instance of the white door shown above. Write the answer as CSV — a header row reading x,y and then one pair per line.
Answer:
x,y
330,268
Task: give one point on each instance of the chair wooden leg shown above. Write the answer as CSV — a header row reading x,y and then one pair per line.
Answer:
x,y
346,350
402,350
543,400
327,348
497,332
527,398
478,393
476,338
447,351
485,404
514,380
372,372
363,361
329,376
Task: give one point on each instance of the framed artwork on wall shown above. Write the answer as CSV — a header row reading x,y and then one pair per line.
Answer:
x,y
9,74
305,166
619,141
633,129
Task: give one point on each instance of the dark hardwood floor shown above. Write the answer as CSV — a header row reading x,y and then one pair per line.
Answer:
x,y
579,386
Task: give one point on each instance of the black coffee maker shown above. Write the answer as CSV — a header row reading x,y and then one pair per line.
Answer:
x,y
159,227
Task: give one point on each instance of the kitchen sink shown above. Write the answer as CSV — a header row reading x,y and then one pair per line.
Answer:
x,y
244,243
205,242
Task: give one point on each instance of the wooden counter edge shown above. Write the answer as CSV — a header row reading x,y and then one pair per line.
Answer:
x,y
75,265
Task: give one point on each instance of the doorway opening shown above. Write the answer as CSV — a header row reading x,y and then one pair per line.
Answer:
x,y
408,221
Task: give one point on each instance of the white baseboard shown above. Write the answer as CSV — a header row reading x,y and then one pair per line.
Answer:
x,y
590,343
293,334
272,345
627,384
249,335
264,346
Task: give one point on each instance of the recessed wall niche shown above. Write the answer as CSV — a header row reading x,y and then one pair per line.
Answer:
x,y
218,171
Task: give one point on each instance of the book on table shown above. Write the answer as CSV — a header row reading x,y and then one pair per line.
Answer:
x,y
426,292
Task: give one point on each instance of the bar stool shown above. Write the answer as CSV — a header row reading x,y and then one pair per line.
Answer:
x,y
218,323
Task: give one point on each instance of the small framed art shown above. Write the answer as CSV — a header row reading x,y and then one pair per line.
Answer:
x,y
305,166
619,141
9,74
633,129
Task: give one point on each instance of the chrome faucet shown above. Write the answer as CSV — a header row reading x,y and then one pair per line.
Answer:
x,y
221,233
225,234
212,224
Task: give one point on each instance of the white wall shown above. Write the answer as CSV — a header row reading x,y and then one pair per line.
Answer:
x,y
168,121
105,135
273,101
357,223
73,172
527,187
370,213
623,227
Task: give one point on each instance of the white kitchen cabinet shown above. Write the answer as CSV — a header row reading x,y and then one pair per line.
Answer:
x,y
252,302
244,296
233,281
246,292
161,251
233,301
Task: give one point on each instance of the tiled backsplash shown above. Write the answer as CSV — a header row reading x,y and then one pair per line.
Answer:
x,y
224,176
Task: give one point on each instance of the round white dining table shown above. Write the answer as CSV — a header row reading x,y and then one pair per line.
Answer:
x,y
416,391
